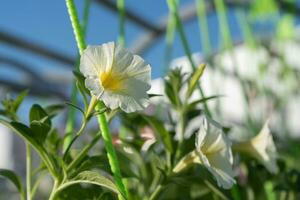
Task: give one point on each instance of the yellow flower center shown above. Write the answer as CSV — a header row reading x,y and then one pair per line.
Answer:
x,y
111,81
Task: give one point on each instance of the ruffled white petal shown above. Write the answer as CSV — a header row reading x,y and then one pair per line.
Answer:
x,y
116,76
96,58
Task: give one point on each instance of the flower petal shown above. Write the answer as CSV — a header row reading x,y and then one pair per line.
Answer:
x,y
96,58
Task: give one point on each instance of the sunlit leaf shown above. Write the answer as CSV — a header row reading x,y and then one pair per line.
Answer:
x,y
89,177
194,80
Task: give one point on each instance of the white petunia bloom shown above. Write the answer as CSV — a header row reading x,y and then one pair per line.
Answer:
x,y
213,151
116,76
261,147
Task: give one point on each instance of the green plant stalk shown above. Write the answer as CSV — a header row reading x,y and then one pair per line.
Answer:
x,y
156,192
173,8
170,35
71,119
76,25
246,30
86,117
71,113
121,10
223,23
83,153
203,27
28,171
101,118
228,44
111,154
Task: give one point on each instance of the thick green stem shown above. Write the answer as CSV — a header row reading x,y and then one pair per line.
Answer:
x,y
111,154
76,25
102,119
28,171
71,113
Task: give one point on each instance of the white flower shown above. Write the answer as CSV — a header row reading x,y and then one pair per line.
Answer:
x,y
116,76
213,151
261,147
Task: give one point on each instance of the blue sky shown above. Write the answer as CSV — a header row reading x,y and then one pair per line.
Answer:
x,y
47,23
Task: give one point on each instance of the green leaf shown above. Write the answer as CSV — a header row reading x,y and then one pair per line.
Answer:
x,y
55,109
40,130
17,102
155,95
89,177
80,80
40,124
286,27
37,113
194,80
76,107
161,131
193,104
26,133
14,178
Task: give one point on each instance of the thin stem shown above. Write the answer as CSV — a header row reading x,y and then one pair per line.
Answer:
x,y
52,195
170,35
101,118
156,192
223,23
28,171
111,154
203,26
86,117
71,119
173,8
71,112
76,25
83,152
121,9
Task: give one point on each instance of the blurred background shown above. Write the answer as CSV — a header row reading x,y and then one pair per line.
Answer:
x,y
251,47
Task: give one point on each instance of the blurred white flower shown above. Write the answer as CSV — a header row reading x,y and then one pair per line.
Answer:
x,y
261,147
213,151
116,76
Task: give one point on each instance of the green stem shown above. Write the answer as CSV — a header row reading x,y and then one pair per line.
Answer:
x,y
28,171
228,44
102,119
71,112
121,9
223,23
170,35
86,117
76,25
173,8
52,195
83,153
111,154
203,26
156,192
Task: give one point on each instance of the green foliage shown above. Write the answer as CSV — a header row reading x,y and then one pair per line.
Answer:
x,y
15,179
148,145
